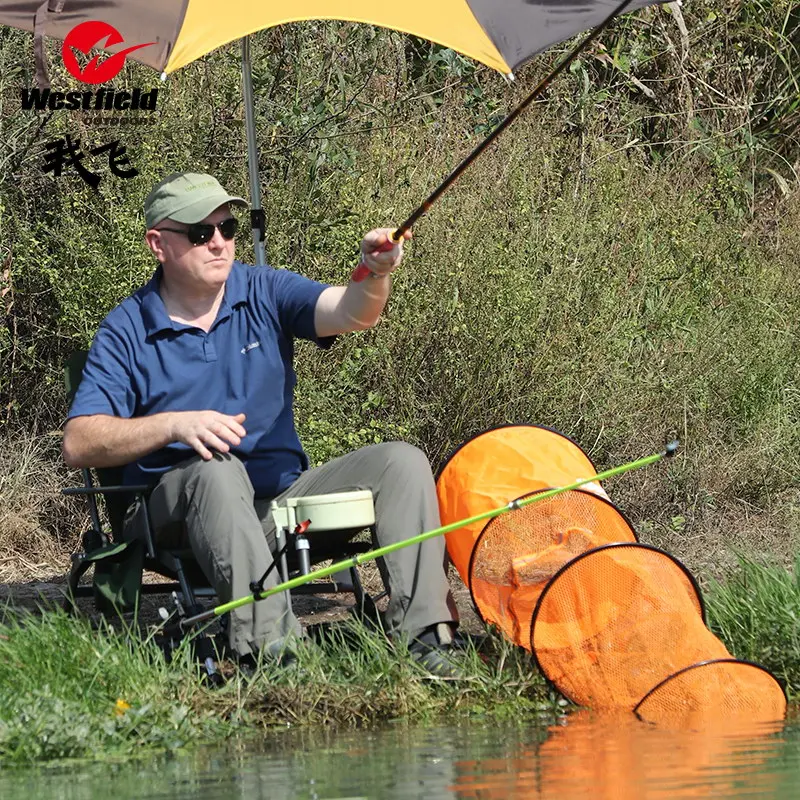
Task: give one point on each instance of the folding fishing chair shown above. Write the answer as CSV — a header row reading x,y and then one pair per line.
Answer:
x,y
309,530
118,562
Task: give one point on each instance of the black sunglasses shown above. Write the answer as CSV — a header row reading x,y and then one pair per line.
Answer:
x,y
202,232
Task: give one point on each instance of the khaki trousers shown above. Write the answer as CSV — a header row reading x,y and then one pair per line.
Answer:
x,y
210,507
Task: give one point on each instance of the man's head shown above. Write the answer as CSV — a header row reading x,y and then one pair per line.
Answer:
x,y
187,231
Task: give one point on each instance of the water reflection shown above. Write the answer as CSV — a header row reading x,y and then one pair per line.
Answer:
x,y
581,756
617,756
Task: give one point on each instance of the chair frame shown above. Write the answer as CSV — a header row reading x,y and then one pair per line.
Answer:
x,y
118,497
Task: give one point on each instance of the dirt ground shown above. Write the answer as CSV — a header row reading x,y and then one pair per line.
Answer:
x,y
34,595
707,546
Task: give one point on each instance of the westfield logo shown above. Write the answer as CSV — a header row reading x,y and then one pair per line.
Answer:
x,y
79,42
88,35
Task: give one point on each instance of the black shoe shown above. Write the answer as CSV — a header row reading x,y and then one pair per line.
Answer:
x,y
471,641
281,654
246,666
436,649
272,656
286,661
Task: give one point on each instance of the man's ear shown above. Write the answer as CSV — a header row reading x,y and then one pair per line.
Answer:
x,y
153,240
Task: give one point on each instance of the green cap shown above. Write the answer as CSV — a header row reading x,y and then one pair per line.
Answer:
x,y
186,197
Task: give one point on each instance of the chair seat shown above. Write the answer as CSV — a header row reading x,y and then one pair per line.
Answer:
x,y
166,562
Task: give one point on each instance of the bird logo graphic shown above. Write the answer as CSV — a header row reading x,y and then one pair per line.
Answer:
x,y
86,36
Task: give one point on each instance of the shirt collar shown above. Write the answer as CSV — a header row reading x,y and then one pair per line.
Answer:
x,y
154,312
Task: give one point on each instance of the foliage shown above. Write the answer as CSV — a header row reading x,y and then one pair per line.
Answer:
x,y
620,266
35,519
69,691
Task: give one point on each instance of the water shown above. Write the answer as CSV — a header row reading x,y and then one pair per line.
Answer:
x,y
583,756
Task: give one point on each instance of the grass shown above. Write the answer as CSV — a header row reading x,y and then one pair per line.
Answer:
x,y
72,691
65,688
756,612
35,519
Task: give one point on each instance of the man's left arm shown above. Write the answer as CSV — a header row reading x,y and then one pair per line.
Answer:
x,y
357,306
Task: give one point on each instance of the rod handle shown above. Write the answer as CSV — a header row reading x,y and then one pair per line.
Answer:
x,y
362,270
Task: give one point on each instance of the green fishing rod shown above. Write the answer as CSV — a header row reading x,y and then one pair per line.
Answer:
x,y
371,555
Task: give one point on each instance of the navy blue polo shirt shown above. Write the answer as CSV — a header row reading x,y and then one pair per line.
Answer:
x,y
141,362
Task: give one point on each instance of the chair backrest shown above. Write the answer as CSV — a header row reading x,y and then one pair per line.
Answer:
x,y
116,503
73,372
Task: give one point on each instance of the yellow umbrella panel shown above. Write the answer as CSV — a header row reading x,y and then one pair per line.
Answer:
x,y
447,22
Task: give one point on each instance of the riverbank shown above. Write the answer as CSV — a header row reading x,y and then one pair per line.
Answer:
x,y
71,690
76,688
621,267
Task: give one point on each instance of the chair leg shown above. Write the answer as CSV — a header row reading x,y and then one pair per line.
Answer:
x,y
365,608
189,599
201,644
79,568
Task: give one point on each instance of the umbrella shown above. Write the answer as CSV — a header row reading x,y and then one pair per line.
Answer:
x,y
503,34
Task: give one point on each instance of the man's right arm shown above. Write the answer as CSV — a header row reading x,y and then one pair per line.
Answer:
x,y
101,440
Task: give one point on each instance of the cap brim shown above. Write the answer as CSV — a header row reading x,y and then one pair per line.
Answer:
x,y
197,212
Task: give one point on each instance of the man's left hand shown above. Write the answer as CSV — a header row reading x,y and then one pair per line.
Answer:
x,y
379,261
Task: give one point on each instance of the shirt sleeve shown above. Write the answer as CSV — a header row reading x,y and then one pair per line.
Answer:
x,y
296,300
106,385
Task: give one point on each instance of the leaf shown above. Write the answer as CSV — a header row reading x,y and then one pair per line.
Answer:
x,y
783,184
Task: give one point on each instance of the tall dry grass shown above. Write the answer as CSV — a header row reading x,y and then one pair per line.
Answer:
x,y
35,520
621,266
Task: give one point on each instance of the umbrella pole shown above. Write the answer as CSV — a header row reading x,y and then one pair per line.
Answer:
x,y
257,216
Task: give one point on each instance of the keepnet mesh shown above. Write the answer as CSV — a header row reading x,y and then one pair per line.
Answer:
x,y
607,619
617,621
517,554
724,690
498,466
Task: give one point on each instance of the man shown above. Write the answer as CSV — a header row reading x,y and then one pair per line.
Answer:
x,y
189,382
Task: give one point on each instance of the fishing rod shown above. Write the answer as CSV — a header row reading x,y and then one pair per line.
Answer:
x,y
362,271
371,555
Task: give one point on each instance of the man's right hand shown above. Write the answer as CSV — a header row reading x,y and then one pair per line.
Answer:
x,y
205,431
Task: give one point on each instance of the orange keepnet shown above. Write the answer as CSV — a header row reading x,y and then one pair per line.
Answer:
x,y
507,561
613,624
498,466
516,554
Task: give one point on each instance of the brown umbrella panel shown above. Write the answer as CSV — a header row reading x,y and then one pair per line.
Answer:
x,y
502,34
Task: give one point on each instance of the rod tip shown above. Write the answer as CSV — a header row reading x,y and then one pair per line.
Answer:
x,y
672,448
